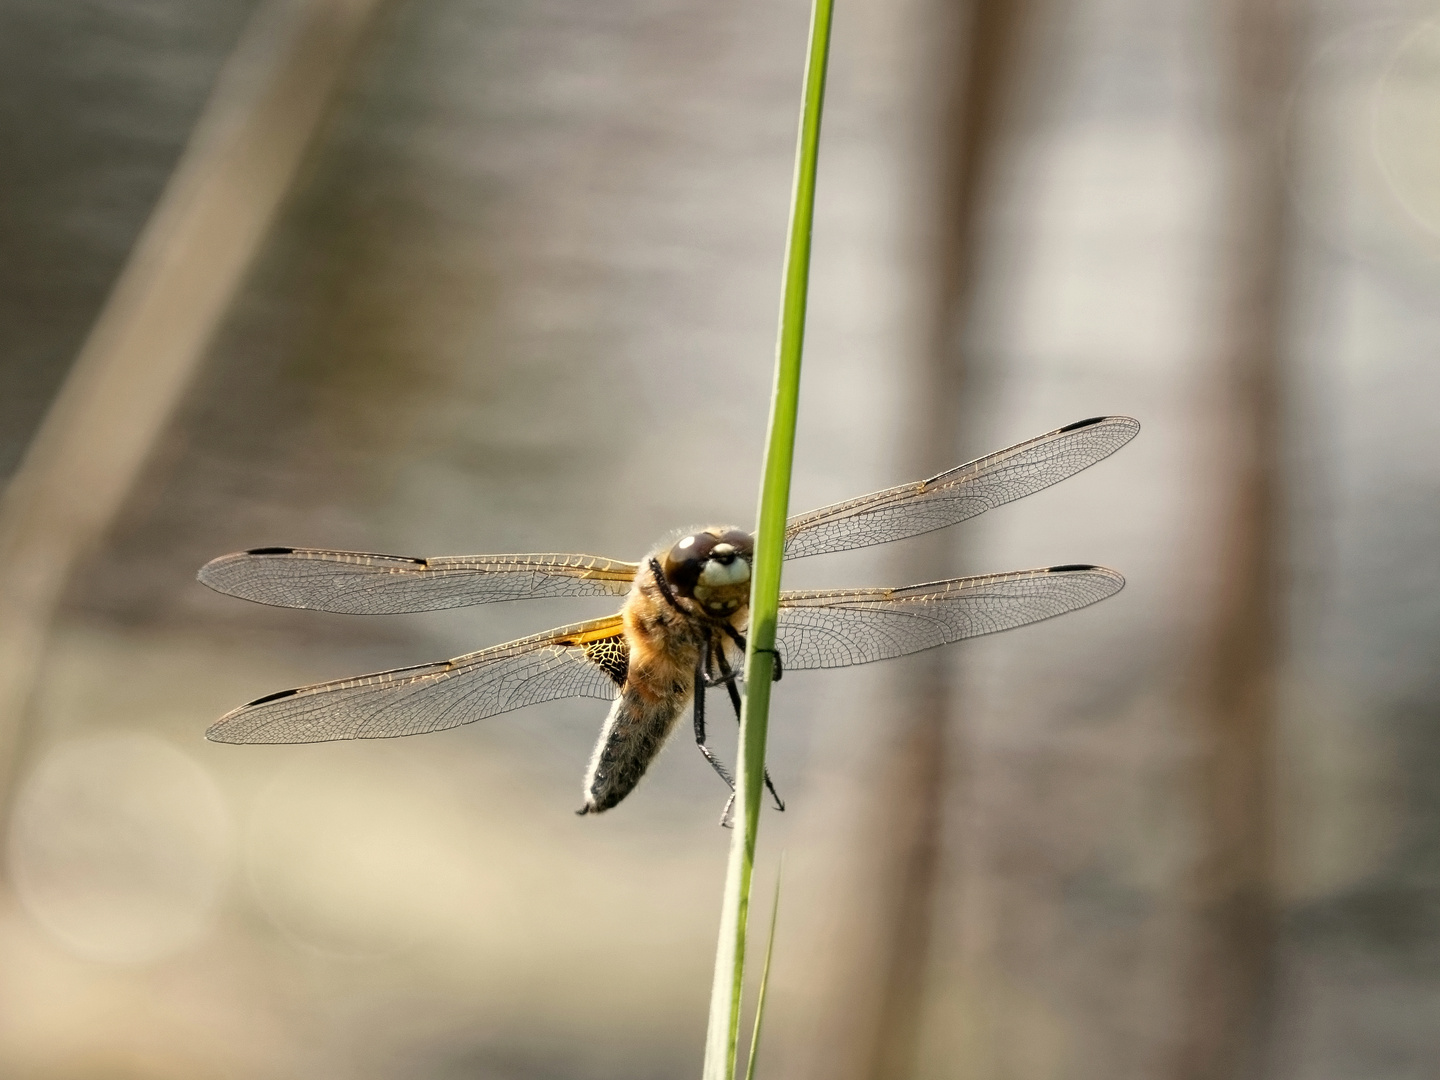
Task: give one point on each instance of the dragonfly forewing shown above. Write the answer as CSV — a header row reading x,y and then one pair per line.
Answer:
x,y
359,583
963,492
857,626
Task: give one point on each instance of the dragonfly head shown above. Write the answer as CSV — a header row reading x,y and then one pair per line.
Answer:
x,y
712,567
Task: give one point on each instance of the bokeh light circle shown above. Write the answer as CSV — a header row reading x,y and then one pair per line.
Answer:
x,y
1406,125
119,846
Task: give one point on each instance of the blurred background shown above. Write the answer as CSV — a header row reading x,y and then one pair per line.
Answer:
x,y
446,277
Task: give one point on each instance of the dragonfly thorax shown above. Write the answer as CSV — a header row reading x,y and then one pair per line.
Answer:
x,y
712,567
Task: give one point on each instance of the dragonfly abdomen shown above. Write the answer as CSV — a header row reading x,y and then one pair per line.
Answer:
x,y
634,732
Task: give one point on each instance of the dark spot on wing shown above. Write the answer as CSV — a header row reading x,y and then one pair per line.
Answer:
x,y
271,551
1068,567
271,697
1082,423
612,655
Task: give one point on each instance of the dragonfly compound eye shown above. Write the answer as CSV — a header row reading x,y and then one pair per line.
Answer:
x,y
742,543
713,568
686,559
715,563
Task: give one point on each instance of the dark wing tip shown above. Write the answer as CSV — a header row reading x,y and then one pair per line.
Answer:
x,y
268,697
209,574
1092,421
222,730
330,554
1114,576
217,570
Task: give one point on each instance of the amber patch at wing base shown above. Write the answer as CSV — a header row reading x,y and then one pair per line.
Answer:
x,y
612,655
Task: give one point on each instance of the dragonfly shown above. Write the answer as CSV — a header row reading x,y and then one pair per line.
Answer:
x,y
681,628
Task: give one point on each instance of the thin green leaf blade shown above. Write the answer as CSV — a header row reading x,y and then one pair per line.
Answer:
x,y
764,976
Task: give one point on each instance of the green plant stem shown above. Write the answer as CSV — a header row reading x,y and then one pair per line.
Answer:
x,y
725,997
764,976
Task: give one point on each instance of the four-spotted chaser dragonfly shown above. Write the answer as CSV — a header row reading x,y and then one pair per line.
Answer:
x,y
681,627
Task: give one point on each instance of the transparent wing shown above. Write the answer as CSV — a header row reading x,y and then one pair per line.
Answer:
x,y
856,626
584,660
357,583
963,492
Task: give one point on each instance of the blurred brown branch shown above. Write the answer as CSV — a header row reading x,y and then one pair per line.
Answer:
x,y
161,314
1230,895
877,1027
981,69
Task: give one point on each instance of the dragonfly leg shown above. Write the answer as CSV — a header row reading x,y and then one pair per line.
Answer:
x,y
734,635
716,649
739,640
728,678
659,574
709,755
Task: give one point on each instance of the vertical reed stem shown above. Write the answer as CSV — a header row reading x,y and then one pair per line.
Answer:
x,y
725,994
